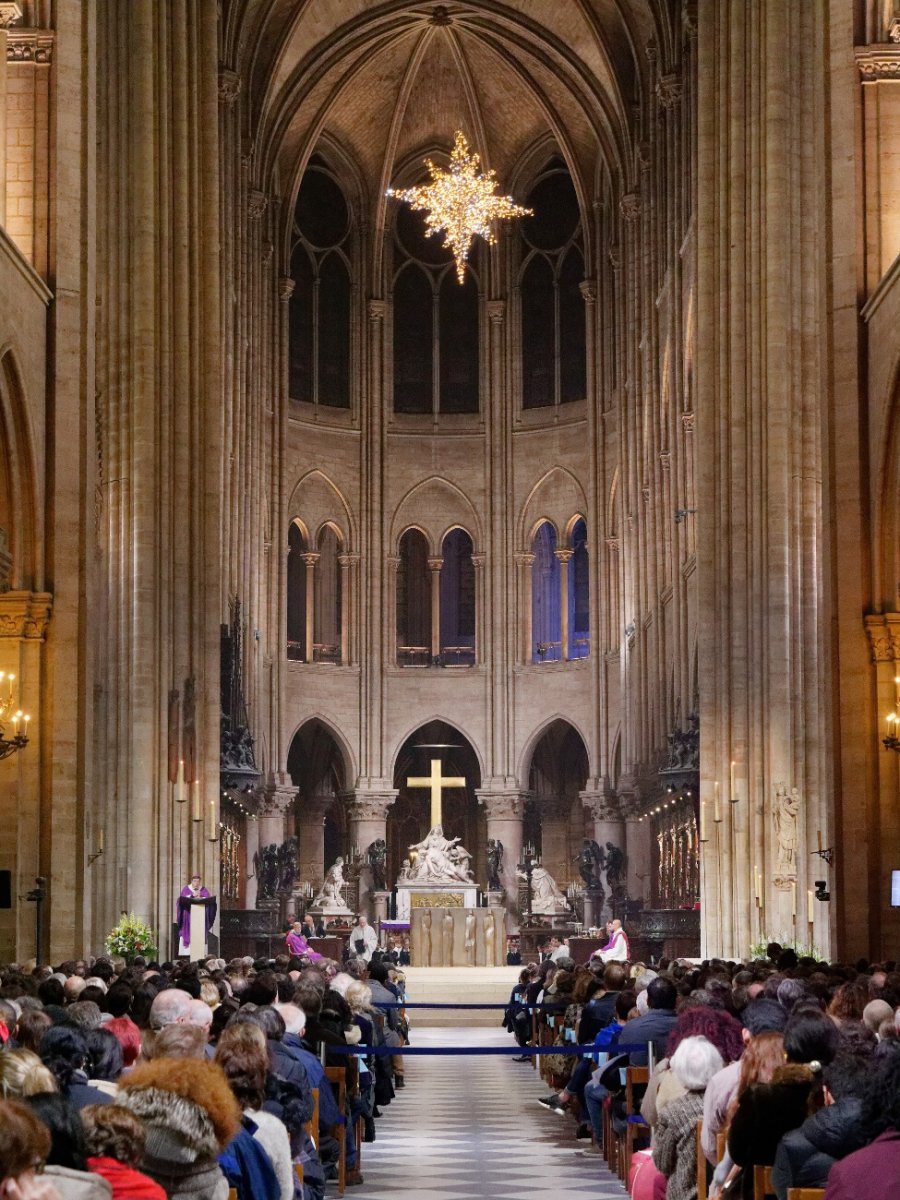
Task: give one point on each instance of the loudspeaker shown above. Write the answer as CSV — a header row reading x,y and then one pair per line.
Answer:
x,y
5,889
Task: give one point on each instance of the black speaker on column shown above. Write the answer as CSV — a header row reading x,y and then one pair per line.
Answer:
x,y
5,889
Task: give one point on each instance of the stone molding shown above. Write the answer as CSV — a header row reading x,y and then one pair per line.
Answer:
x,y
286,287
564,555
10,13
588,289
496,311
350,559
894,30
687,422
375,309
613,545
665,460
524,558
630,206
478,560
877,63
29,46
278,801
229,85
257,202
614,254
502,806
883,632
25,614
669,90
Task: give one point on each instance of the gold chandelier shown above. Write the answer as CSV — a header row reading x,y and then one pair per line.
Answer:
x,y
461,203
9,712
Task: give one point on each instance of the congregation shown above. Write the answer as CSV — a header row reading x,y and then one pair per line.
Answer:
x,y
198,1081
738,1080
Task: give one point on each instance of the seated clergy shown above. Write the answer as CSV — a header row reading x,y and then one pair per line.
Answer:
x,y
363,939
616,949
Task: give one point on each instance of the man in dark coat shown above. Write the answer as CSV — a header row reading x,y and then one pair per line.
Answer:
x,y
654,1026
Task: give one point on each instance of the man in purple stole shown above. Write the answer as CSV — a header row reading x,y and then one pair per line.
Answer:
x,y
193,890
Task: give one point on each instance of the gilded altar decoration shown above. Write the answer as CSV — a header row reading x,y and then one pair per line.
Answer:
x,y
461,203
437,900
677,858
229,861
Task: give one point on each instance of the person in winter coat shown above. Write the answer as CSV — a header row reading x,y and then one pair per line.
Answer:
x,y
67,1166
189,1115
675,1147
874,1172
115,1144
64,1051
806,1155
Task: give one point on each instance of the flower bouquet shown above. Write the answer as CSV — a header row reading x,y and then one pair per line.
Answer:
x,y
131,937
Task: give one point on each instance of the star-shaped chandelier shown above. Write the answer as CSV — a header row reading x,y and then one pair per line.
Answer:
x,y
461,203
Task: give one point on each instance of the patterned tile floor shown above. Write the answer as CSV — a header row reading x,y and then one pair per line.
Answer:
x,y
471,1128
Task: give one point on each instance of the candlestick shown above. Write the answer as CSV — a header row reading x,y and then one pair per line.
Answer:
x,y
704,837
211,832
717,803
732,796
195,790
794,899
819,839
810,907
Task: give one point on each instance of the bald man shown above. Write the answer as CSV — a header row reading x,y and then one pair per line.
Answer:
x,y
171,1007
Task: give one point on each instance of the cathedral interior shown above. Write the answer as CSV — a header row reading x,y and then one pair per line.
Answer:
x,y
610,526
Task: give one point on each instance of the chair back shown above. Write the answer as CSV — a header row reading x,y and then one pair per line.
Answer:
x,y
806,1194
702,1184
762,1183
634,1076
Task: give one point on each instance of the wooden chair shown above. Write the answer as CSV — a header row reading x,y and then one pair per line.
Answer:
x,y
312,1125
232,1194
806,1194
762,1183
298,1171
721,1144
636,1127
337,1077
702,1181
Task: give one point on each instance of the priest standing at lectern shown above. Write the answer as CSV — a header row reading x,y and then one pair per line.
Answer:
x,y
192,891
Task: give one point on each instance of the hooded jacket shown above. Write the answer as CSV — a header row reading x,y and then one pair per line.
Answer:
x,y
806,1155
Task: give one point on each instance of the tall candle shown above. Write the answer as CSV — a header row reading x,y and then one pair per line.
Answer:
x,y
810,907
733,794
179,783
717,803
212,821
703,833
794,898
100,846
195,788
819,837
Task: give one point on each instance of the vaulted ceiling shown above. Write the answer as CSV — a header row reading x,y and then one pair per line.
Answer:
x,y
387,83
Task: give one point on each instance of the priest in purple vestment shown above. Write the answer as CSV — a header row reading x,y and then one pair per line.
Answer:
x,y
299,946
193,890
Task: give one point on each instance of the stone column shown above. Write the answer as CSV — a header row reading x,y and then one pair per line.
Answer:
x,y
564,557
555,855
346,563
504,823
638,848
310,559
273,814
367,821
251,845
525,562
434,566
606,813
311,836
478,561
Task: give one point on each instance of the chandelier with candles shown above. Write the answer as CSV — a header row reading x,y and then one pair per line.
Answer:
x,y
11,715
461,203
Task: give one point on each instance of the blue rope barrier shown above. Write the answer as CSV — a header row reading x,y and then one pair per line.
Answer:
x,y
464,1051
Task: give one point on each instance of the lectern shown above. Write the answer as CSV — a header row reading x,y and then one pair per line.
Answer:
x,y
202,911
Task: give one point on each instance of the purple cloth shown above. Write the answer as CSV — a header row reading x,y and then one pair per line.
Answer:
x,y
184,913
297,944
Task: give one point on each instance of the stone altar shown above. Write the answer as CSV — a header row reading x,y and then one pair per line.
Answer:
x,y
458,937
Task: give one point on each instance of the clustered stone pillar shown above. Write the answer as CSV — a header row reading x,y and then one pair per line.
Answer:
x,y
311,836
434,566
504,811
367,822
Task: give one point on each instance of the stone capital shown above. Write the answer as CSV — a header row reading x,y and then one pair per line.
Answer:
x,y
311,809
29,45
286,287
524,558
614,254
613,545
588,289
668,90
257,202
25,614
496,311
229,85
564,555
277,801
311,557
630,206
665,460
883,632
877,63
478,561
435,564
375,309
370,806
10,13
601,804
349,559
687,422
502,806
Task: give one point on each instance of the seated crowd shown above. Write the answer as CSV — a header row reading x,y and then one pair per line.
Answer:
x,y
193,1080
784,1063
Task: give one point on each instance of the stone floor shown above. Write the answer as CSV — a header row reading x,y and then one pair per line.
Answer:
x,y
471,1129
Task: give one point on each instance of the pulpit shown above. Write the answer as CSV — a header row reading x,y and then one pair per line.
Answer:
x,y
202,911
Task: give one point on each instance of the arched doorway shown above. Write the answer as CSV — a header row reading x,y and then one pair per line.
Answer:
x,y
409,817
317,768
554,820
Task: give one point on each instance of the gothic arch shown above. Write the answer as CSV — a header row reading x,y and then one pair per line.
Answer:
x,y
321,502
527,753
332,728
444,505
554,498
341,163
418,724
18,499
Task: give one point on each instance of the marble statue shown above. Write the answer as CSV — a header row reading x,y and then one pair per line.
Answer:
x,y
331,897
787,812
447,938
490,938
438,860
426,938
470,939
546,898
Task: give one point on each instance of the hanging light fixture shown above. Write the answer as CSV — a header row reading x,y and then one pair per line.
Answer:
x,y
10,714
461,203
892,740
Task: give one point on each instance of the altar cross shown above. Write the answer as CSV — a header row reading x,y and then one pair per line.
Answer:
x,y
437,782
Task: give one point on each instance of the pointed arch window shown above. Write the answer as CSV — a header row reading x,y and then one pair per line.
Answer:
x,y
579,593
319,342
317,596
457,597
296,594
414,601
546,624
436,324
554,363
327,602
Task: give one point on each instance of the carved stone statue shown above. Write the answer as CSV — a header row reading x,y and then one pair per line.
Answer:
x,y
266,869
787,812
494,861
546,898
591,860
288,865
426,938
377,856
403,873
331,898
615,871
447,938
438,860
470,939
490,938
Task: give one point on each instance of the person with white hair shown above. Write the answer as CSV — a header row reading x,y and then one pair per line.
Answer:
x,y
295,1026
171,1007
694,1064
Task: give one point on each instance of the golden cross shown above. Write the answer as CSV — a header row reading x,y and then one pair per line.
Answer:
x,y
436,781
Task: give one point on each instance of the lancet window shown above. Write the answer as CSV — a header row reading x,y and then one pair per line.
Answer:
x,y
317,627
436,601
560,594
319,311
554,364
435,322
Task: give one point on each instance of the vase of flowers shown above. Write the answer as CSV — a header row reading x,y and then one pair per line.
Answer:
x,y
131,937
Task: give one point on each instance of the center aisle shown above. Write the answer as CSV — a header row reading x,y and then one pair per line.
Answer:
x,y
467,1128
